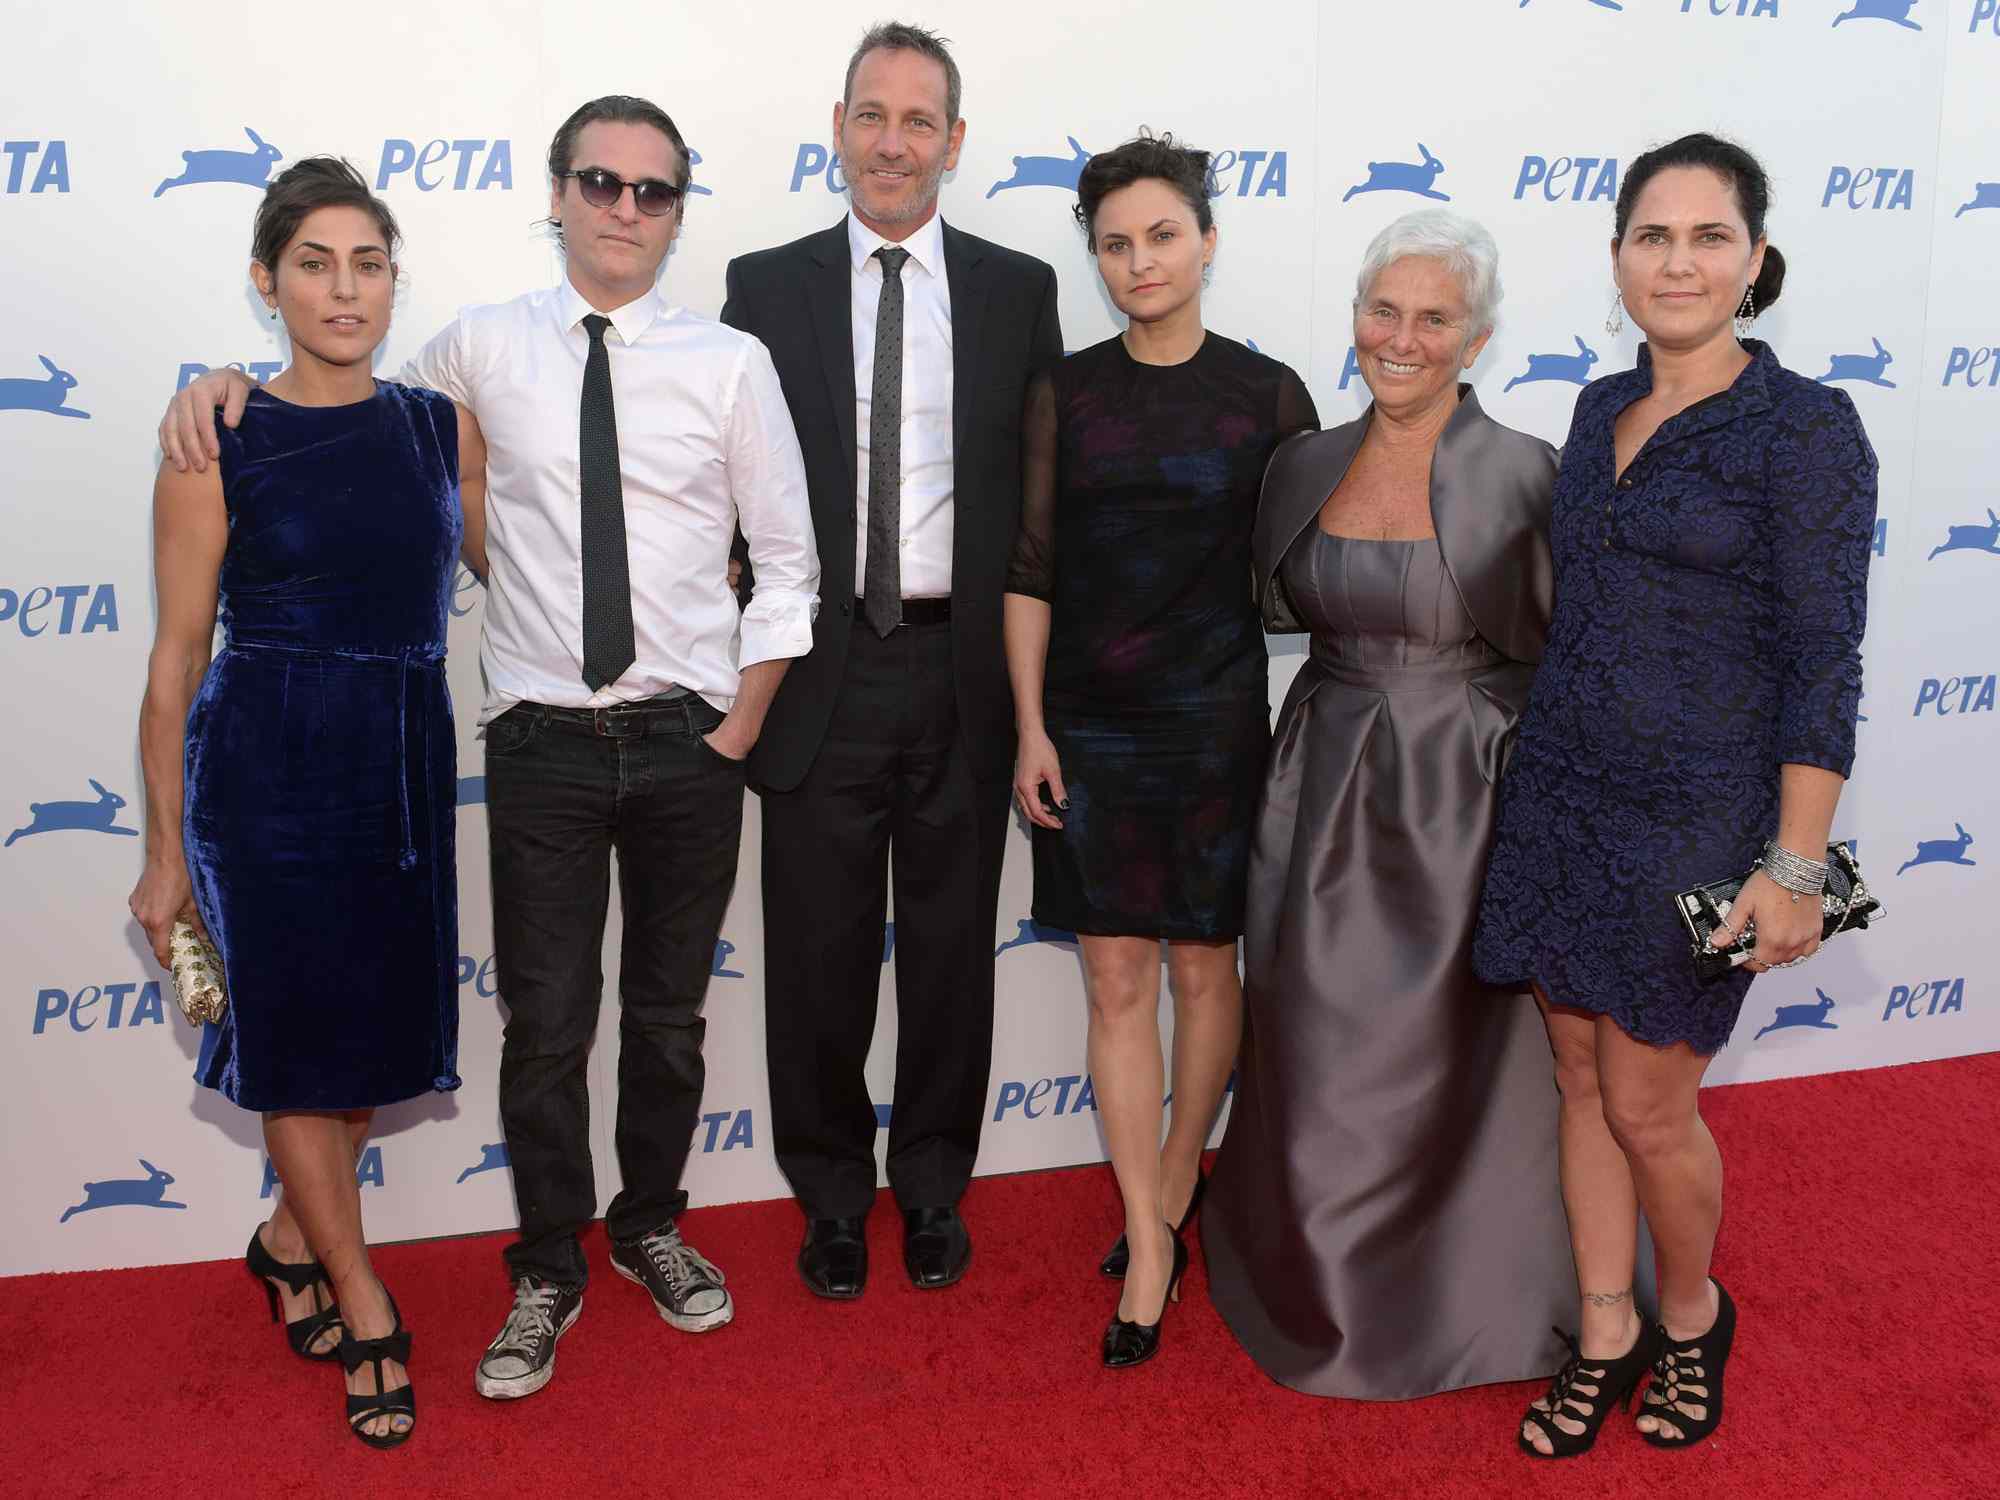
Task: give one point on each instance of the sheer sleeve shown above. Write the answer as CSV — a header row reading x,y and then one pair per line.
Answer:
x,y
1296,412
1032,571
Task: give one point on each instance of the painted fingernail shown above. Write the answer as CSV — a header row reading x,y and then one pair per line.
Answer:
x,y
1064,804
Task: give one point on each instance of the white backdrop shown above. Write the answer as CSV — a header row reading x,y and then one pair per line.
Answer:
x,y
125,266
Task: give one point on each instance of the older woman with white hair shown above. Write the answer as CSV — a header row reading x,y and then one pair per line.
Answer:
x,y
1384,1221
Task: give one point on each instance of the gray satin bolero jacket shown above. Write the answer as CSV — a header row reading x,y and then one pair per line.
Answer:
x,y
1490,491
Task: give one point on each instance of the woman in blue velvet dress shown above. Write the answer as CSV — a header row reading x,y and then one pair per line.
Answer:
x,y
1693,715
300,786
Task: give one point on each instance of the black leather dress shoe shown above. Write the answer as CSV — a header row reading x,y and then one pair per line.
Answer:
x,y
936,1247
834,1258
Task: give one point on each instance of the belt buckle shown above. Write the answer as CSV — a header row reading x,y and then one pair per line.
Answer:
x,y
609,723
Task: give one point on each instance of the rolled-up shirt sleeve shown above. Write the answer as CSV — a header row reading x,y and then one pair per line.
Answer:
x,y
767,480
1823,476
441,365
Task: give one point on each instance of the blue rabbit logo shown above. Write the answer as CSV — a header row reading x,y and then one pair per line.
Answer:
x,y
1941,851
1030,931
251,168
1789,1016
1896,11
1984,195
1866,368
1574,368
1973,538
29,394
149,1191
491,1159
95,817
1046,171
1402,177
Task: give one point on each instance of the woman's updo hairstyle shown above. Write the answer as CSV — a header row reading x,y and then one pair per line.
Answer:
x,y
297,192
1145,156
1745,177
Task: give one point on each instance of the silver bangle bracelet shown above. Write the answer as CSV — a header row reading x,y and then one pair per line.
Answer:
x,y
1793,872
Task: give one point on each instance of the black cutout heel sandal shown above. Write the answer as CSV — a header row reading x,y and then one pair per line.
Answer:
x,y
1691,1370
1127,1344
298,1277
401,1402
1585,1391
1119,1256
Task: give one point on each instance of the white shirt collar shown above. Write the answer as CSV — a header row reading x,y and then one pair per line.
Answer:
x,y
926,246
631,320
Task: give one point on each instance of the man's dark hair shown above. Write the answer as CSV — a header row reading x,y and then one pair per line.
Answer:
x,y
1743,174
316,182
617,109
1145,157
895,36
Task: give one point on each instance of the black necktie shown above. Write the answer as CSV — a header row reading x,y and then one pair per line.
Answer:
x,y
607,588
882,594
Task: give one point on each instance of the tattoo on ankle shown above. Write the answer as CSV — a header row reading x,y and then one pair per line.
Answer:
x,y
1607,1299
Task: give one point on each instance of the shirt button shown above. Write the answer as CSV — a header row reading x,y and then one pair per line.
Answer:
x,y
1625,483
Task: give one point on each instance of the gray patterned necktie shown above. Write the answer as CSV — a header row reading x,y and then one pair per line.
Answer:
x,y
882,591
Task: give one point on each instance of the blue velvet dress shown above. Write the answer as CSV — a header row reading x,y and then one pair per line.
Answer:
x,y
1709,606
321,758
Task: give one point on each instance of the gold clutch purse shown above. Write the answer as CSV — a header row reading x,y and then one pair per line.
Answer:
x,y
197,970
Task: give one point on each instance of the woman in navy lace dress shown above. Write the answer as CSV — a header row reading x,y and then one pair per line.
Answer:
x,y
1712,523
1140,684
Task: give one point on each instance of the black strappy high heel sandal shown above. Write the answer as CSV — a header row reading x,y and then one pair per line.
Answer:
x,y
1127,1344
1609,1383
301,1333
401,1402
1119,1256
1691,1370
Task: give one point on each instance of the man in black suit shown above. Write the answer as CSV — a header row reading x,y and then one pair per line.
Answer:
x,y
904,348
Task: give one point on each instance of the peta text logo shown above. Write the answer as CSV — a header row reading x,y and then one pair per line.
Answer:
x,y
100,816
250,168
1973,538
1941,851
478,972
720,968
740,1133
695,189
1865,368
1569,179
367,1172
1419,177
52,171
259,370
1046,171
43,393
1987,11
1931,997
471,791
817,161
427,166
492,1157
1574,368
1870,187
465,590
29,609
81,1012
1739,8
149,1191
1028,930
1601,4
1979,366
1791,1016
1241,168
1033,1101
1984,194
1955,695
1897,11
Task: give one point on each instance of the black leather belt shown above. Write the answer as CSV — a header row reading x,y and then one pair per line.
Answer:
x,y
915,611
619,720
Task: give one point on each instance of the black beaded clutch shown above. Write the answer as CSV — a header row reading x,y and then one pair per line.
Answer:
x,y
1845,905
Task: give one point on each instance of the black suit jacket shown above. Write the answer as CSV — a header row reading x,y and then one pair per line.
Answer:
x,y
797,299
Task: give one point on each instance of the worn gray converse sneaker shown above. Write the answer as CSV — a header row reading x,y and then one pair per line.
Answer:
x,y
521,1360
684,1284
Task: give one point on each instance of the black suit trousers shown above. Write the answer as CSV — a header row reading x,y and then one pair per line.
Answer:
x,y
892,789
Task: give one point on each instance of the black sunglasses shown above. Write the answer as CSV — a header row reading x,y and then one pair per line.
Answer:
x,y
601,189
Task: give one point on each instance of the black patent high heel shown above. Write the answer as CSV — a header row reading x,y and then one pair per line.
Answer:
x,y
298,1277
1119,1256
1127,1344
401,1402
1586,1390
1691,1370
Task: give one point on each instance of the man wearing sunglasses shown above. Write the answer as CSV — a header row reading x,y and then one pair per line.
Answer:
x,y
905,348
627,440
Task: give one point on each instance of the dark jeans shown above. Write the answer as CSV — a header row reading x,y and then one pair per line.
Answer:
x,y
565,787
890,796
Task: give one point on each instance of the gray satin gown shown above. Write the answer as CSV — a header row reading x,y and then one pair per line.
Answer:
x,y
1384,1220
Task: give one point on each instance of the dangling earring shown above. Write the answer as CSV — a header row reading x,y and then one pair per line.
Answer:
x,y
1614,321
274,314
1207,272
1746,314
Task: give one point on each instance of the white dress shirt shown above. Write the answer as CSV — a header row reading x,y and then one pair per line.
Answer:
x,y
704,437
927,380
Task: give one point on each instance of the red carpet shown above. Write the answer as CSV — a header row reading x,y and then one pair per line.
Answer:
x,y
1859,1244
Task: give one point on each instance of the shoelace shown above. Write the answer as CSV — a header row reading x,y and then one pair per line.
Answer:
x,y
532,1318
1566,1378
677,1260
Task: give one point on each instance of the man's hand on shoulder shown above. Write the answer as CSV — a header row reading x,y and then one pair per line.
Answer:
x,y
187,431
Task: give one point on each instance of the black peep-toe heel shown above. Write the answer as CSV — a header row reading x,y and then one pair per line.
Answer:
x,y
1586,1390
298,1277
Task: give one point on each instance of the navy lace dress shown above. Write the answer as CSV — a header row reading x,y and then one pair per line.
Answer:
x,y
1139,493
1708,615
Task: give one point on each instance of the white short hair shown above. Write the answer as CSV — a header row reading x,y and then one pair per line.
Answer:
x,y
1462,244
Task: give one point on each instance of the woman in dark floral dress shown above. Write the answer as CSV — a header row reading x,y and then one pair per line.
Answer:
x,y
1712,523
1140,685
